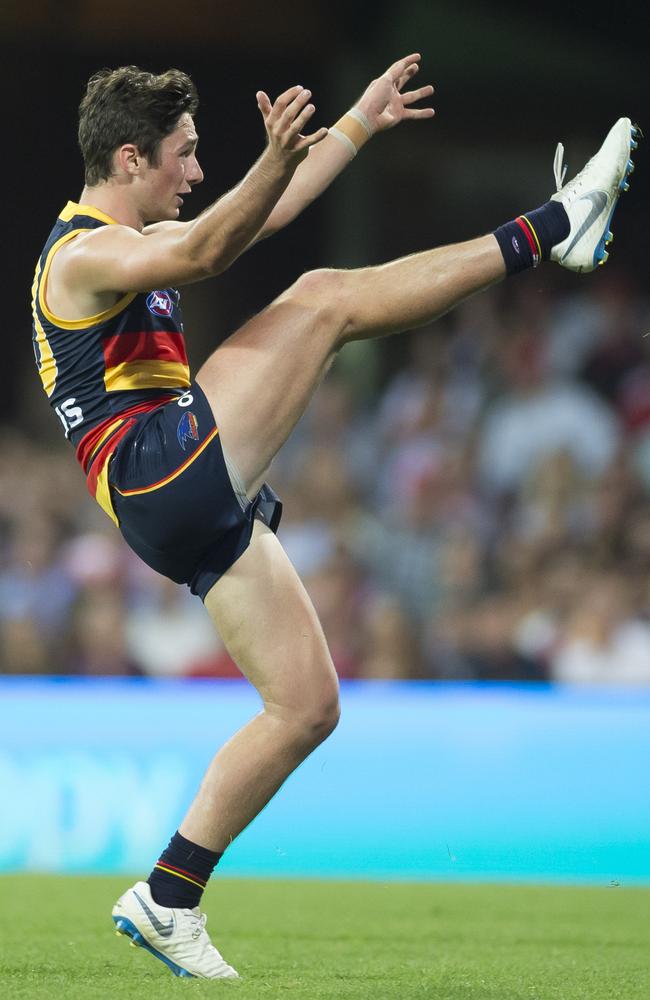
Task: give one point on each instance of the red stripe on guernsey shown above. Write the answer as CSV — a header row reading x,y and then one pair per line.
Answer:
x,y
181,871
89,441
97,463
147,345
521,222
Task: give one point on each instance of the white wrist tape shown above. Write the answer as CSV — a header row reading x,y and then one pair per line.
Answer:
x,y
342,137
361,118
352,130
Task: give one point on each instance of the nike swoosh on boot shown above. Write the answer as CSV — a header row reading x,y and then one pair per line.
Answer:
x,y
165,930
598,201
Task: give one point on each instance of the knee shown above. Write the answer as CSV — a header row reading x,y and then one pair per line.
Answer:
x,y
326,719
319,287
318,718
324,293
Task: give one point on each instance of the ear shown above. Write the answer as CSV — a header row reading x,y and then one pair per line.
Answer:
x,y
129,159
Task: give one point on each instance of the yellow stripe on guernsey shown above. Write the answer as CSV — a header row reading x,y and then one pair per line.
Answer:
x,y
147,375
46,364
76,324
107,433
102,491
72,209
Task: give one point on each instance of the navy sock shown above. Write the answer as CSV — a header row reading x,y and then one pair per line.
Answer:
x,y
181,873
529,238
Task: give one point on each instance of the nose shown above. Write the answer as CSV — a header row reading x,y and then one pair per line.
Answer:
x,y
194,175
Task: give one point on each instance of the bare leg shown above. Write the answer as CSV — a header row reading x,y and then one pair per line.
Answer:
x,y
269,626
260,380
259,383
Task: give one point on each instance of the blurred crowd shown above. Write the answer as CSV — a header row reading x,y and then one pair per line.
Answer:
x,y
477,507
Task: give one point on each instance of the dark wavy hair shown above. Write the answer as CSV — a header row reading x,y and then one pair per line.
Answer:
x,y
130,105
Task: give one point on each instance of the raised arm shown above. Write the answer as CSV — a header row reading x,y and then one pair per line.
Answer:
x,y
119,258
381,106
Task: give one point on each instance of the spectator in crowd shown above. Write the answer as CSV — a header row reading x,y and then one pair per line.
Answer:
x,y
537,416
97,637
604,640
170,634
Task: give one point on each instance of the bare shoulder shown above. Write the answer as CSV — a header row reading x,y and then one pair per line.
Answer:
x,y
69,291
72,292
117,259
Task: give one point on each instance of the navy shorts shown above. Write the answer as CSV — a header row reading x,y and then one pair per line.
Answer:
x,y
173,498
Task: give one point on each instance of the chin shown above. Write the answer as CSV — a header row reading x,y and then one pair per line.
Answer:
x,y
163,215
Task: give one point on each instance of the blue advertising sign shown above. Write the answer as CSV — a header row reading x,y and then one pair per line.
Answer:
x,y
420,781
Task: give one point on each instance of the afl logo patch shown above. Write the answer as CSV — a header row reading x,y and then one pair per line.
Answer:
x,y
160,303
188,429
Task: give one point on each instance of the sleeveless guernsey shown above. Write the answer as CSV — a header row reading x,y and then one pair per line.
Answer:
x,y
101,370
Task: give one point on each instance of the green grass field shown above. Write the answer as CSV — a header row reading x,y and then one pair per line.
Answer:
x,y
349,940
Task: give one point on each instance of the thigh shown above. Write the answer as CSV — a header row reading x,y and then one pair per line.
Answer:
x,y
261,379
270,628
173,498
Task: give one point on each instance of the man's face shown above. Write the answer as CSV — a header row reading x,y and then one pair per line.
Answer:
x,y
176,172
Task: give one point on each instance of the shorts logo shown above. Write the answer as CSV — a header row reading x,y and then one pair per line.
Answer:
x,y
160,303
188,429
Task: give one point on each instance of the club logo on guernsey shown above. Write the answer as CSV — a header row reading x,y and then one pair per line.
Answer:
x,y
160,303
188,429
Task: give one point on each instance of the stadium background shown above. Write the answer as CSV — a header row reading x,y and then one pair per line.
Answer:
x,y
469,504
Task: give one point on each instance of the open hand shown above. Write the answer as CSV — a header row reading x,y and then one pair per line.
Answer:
x,y
284,120
383,102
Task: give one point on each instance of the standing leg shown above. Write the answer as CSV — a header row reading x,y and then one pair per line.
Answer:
x,y
270,628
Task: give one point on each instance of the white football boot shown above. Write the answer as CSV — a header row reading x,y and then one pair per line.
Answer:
x,y
177,937
591,197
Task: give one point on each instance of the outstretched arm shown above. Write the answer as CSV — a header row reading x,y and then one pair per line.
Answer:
x,y
118,258
381,106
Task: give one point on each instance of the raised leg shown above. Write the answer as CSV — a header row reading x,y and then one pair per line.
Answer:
x,y
260,380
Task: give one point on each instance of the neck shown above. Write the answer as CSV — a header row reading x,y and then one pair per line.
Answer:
x,y
110,199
